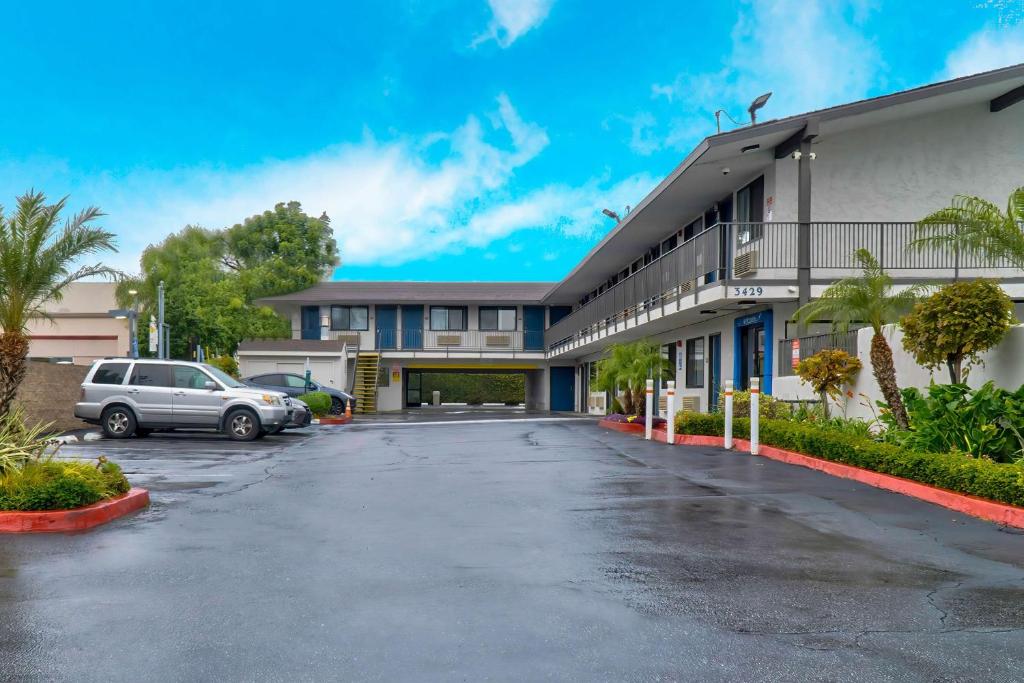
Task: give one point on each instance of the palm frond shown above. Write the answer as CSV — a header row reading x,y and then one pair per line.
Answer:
x,y
976,228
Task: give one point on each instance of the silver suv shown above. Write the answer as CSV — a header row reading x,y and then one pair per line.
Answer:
x,y
126,397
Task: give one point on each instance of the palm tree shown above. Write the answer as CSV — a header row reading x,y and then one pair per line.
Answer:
x,y
977,227
628,367
868,298
36,264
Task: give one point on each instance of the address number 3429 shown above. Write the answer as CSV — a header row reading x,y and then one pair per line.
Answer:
x,y
747,291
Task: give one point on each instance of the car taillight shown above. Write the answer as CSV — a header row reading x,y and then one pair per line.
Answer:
x,y
81,395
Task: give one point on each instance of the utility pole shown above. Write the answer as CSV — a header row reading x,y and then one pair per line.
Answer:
x,y
161,350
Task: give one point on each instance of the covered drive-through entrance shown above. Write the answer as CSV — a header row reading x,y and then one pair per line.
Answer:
x,y
475,384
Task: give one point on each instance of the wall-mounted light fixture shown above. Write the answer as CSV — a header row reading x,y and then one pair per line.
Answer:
x,y
325,321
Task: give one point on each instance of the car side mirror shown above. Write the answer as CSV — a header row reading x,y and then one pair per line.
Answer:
x,y
209,385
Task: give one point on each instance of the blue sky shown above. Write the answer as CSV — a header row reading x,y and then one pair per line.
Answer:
x,y
447,139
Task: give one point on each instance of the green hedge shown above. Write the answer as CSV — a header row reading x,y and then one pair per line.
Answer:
x,y
319,402
60,485
1003,482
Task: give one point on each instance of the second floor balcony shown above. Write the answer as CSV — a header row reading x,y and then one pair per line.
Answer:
x,y
746,259
436,342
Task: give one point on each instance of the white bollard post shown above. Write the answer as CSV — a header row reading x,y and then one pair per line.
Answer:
x,y
755,414
670,404
728,414
648,417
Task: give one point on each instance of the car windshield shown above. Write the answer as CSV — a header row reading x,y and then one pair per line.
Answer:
x,y
226,379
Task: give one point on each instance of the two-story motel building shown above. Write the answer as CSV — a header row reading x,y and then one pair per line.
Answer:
x,y
712,263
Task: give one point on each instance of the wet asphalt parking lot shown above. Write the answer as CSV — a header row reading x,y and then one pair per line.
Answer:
x,y
506,550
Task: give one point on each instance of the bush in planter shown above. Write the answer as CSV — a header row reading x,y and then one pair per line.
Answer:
x,y
319,402
769,407
987,422
60,485
827,371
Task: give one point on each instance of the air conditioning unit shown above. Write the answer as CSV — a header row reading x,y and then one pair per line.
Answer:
x,y
691,404
686,287
745,264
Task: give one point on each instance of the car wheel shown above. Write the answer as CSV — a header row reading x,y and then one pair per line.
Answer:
x,y
118,422
242,425
337,406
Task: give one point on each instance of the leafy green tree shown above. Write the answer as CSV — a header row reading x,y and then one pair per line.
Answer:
x,y
213,277
280,251
827,371
627,368
977,227
868,298
37,262
956,324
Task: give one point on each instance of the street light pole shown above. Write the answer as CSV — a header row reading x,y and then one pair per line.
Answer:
x,y
133,332
161,348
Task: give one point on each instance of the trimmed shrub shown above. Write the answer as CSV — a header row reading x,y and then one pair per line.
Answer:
x,y
1002,482
60,485
319,402
769,407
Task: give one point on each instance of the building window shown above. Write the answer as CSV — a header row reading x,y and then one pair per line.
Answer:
x,y
350,318
692,230
750,211
495,318
695,363
448,318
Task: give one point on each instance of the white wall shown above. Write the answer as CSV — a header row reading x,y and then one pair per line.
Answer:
x,y
904,170
325,370
1002,365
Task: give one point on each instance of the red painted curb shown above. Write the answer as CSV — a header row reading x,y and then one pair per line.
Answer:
x,y
982,508
335,420
628,427
73,520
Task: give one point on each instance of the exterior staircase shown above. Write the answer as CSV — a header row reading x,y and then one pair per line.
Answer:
x,y
365,387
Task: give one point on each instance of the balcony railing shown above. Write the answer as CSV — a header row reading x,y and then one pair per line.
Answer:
x,y
764,252
458,341
808,346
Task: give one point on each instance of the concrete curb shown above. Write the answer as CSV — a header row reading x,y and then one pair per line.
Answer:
x,y
1008,515
79,519
332,420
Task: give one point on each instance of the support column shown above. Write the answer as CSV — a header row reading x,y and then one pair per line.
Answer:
x,y
803,213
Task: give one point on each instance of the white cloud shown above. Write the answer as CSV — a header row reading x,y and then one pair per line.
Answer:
x,y
390,202
990,48
512,18
810,53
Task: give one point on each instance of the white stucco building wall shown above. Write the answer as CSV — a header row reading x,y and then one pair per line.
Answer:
x,y
1002,365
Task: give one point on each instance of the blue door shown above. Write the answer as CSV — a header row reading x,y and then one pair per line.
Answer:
x,y
310,322
563,386
412,327
533,328
387,327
